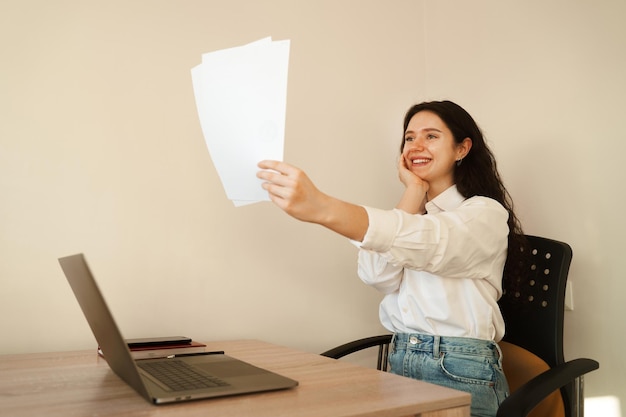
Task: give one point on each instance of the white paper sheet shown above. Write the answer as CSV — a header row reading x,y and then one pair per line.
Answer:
x,y
241,96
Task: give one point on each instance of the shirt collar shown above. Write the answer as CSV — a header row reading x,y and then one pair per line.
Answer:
x,y
446,201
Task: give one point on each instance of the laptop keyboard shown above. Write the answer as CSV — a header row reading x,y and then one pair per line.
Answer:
x,y
180,376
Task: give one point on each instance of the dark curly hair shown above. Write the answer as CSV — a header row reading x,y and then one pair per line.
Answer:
x,y
478,174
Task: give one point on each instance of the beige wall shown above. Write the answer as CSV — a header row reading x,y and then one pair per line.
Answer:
x,y
101,152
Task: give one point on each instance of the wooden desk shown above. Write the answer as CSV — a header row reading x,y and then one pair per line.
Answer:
x,y
81,384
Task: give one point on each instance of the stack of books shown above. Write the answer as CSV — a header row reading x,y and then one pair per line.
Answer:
x,y
161,347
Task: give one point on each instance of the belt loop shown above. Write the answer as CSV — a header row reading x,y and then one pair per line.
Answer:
x,y
436,340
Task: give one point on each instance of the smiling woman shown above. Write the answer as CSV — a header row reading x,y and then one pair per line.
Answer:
x,y
430,152
439,256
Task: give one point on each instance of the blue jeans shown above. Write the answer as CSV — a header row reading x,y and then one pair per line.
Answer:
x,y
465,364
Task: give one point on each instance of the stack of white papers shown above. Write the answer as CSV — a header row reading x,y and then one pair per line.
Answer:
x,y
241,96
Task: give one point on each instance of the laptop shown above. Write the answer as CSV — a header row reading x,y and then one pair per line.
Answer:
x,y
164,380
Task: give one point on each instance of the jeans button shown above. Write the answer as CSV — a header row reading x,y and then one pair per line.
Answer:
x,y
413,340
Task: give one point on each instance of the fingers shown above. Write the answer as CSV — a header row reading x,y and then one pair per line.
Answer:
x,y
267,164
403,171
402,164
272,176
278,166
280,180
280,173
276,190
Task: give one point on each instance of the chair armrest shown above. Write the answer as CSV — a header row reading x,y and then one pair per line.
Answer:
x,y
526,397
356,345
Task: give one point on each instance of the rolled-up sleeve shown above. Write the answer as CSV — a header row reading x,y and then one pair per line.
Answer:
x,y
383,228
376,271
459,241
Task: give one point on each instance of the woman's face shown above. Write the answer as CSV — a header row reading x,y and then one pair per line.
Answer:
x,y
430,151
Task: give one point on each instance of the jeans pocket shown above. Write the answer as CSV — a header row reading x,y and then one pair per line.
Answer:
x,y
468,369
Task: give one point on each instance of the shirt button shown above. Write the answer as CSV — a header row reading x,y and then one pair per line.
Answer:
x,y
413,340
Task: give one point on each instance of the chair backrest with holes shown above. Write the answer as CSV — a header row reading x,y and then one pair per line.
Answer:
x,y
533,308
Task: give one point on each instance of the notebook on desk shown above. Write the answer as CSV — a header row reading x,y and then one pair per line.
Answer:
x,y
164,380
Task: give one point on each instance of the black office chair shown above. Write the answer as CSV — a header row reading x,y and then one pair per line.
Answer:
x,y
381,341
533,361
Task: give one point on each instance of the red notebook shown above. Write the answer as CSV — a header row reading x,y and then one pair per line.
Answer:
x,y
162,351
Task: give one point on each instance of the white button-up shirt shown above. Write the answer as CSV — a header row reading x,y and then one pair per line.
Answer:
x,y
441,271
